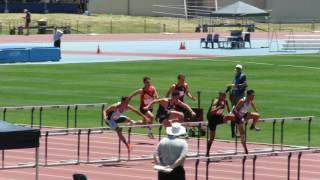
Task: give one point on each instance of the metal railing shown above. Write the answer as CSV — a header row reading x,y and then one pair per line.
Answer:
x,y
83,136
78,134
70,108
175,24
254,157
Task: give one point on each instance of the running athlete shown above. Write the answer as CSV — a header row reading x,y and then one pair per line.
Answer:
x,y
114,115
181,87
215,116
166,113
240,115
147,94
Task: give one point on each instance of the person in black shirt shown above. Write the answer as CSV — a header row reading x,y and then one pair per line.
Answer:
x,y
27,20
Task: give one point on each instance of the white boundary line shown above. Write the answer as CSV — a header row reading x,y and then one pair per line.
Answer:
x,y
262,63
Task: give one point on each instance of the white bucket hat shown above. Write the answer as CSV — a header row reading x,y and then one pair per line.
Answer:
x,y
176,129
239,66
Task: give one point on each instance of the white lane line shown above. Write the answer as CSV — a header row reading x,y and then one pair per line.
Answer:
x,y
268,64
17,172
294,66
261,63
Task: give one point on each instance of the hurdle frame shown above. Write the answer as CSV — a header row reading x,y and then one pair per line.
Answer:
x,y
254,157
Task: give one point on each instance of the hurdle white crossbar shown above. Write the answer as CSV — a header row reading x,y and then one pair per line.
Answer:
x,y
305,118
253,155
102,129
13,108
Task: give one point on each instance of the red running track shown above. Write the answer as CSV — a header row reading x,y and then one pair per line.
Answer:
x,y
106,146
127,37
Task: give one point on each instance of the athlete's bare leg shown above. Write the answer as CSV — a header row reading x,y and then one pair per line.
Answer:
x,y
176,116
255,118
149,121
122,138
150,116
229,117
211,139
242,137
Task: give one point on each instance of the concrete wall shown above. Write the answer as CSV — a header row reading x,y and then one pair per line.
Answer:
x,y
133,7
282,10
148,6
294,10
109,6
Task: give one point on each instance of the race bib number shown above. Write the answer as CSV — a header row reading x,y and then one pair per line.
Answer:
x,y
115,116
181,93
220,111
147,101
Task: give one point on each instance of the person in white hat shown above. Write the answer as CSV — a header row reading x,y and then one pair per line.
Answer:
x,y
237,89
171,153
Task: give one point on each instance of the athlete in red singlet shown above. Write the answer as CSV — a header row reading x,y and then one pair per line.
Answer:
x,y
182,87
147,94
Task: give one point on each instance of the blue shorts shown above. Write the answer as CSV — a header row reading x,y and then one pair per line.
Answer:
x,y
113,123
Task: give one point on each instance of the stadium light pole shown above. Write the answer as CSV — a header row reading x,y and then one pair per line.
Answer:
x,y
216,4
185,9
45,6
6,6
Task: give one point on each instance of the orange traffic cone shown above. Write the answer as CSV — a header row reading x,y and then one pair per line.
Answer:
x,y
98,50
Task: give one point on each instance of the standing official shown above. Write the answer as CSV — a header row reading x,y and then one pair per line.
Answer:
x,y
57,34
171,153
238,88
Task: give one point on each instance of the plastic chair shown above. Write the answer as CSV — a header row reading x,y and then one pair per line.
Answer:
x,y
207,40
202,40
247,39
79,177
216,40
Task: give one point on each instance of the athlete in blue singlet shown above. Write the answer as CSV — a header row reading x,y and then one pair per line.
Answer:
x,y
114,115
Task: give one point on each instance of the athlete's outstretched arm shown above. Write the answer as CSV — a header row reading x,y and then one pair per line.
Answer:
x,y
254,107
188,93
107,110
171,89
186,106
133,109
135,93
156,96
155,101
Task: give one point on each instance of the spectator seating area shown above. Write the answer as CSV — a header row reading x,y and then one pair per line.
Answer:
x,y
302,42
237,39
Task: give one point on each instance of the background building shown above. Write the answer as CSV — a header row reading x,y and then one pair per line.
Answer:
x,y
281,10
